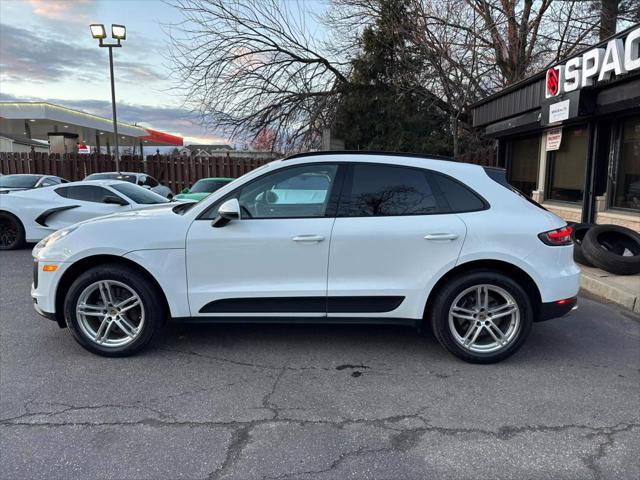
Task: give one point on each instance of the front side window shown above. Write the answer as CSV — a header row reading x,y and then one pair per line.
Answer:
x,y
384,190
626,183
150,182
47,182
297,192
85,193
523,164
567,166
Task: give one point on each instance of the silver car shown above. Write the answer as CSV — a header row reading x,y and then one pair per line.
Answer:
x,y
142,179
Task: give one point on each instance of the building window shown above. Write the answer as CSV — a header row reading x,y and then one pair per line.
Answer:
x,y
567,166
626,183
523,164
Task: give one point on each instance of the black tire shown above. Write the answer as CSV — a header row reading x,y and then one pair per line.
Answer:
x,y
11,232
446,295
613,248
579,231
155,314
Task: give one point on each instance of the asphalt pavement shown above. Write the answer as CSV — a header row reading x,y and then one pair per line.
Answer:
x,y
316,402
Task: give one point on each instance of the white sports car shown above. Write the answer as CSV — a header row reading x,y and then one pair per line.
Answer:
x,y
31,215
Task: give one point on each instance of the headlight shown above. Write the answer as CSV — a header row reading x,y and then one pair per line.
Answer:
x,y
54,237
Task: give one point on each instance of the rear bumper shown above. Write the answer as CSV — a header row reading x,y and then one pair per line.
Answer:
x,y
556,309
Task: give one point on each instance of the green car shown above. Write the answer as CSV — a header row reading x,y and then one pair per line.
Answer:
x,y
202,188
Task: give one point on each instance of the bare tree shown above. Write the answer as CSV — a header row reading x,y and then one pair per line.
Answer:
x,y
250,64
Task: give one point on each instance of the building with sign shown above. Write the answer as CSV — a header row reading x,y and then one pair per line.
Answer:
x,y
569,136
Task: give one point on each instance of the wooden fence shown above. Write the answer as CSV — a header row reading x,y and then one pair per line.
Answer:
x,y
174,172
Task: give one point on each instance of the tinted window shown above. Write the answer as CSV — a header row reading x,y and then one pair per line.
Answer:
x,y
458,197
150,182
139,194
208,186
112,176
271,197
381,190
47,182
85,193
19,181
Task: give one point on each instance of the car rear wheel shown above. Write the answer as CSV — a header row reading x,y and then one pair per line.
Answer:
x,y
11,232
482,316
113,311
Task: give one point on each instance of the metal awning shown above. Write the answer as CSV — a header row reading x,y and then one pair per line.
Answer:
x,y
37,119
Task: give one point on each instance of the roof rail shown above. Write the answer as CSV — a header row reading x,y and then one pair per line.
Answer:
x,y
370,152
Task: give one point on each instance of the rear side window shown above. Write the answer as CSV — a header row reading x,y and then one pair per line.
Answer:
x,y
457,197
85,193
384,190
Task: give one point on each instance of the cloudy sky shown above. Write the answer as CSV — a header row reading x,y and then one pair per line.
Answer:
x,y
47,53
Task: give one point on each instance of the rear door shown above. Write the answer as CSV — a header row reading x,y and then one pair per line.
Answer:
x,y
393,234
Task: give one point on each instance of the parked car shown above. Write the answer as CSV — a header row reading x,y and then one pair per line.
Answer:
x,y
24,181
203,188
141,179
31,215
379,238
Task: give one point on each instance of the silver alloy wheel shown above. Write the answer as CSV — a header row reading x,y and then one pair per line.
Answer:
x,y
110,313
484,318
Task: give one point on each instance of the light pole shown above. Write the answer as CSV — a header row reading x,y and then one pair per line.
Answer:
x,y
119,33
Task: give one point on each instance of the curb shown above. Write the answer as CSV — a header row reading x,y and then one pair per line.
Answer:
x,y
613,288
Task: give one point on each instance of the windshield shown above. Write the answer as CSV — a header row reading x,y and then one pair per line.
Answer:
x,y
112,176
208,186
139,194
19,181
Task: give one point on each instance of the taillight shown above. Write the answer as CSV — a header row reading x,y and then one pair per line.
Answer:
x,y
558,237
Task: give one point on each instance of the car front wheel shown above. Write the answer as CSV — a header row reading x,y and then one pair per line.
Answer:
x,y
482,316
112,310
11,232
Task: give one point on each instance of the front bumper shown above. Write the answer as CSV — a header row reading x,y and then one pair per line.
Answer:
x,y
557,309
43,288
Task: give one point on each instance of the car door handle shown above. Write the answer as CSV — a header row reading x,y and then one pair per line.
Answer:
x,y
440,236
308,238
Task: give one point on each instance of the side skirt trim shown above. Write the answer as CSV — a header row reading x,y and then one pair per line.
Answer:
x,y
412,322
366,304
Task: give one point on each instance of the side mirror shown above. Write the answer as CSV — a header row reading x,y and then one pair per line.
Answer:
x,y
112,199
185,190
229,210
146,186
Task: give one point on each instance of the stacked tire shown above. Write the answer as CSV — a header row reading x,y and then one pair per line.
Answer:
x,y
612,248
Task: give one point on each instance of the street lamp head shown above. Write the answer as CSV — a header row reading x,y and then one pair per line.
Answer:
x,y
98,31
119,32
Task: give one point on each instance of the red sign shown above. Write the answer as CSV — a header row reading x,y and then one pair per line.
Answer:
x,y
553,82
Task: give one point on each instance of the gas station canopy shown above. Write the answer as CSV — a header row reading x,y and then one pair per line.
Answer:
x,y
37,120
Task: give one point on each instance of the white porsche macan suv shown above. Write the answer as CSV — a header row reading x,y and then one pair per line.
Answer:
x,y
322,238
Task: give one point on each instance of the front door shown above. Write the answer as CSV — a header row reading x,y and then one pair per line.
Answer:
x,y
273,261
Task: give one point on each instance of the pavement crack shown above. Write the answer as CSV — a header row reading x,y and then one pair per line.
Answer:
x,y
239,440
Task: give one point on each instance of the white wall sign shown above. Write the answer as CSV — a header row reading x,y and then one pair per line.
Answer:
x,y
558,111
554,138
596,65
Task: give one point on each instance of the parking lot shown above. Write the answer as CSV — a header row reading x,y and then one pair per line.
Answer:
x,y
316,402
